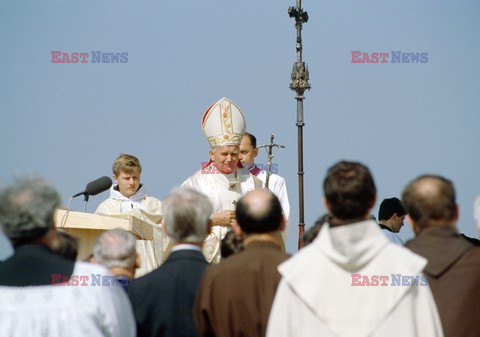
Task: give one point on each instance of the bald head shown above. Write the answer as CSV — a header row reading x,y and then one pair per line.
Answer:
x,y
259,211
430,201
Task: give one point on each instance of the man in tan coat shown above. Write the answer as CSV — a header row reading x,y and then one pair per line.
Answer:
x,y
453,268
235,296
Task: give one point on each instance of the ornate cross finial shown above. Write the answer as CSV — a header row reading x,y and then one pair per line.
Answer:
x,y
300,75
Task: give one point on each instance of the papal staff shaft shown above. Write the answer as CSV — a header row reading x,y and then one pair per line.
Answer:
x,y
299,84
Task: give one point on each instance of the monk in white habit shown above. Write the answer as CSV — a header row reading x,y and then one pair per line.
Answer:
x,y
351,281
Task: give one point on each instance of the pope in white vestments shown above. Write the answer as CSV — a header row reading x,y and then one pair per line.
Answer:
x,y
222,179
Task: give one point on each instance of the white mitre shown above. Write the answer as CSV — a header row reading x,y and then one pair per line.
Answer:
x,y
223,124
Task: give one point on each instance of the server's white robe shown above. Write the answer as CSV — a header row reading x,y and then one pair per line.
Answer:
x,y
316,296
146,208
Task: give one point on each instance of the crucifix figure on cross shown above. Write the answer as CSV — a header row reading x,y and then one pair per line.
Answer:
x,y
269,147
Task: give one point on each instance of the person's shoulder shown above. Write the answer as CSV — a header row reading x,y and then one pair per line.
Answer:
x,y
300,261
195,178
87,268
392,237
152,200
142,285
250,259
273,175
277,177
225,266
108,207
473,255
473,241
403,257
250,180
278,181
273,257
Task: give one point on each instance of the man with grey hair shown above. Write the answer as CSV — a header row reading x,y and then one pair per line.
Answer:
x,y
43,294
163,299
115,249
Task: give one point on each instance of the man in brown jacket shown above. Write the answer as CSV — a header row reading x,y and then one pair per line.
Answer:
x,y
235,297
453,268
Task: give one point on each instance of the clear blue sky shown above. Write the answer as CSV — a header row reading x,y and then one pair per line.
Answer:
x,y
67,122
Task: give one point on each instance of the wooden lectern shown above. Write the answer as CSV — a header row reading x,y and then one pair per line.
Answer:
x,y
87,227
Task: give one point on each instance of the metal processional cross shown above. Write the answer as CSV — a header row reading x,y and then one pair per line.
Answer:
x,y
270,155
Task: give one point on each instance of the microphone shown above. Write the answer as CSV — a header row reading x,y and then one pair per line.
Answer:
x,y
97,186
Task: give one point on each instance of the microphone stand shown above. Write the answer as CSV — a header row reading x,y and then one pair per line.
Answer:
x,y
85,200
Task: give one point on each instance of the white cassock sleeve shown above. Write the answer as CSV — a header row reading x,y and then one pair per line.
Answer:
x,y
426,313
119,318
281,192
281,322
114,314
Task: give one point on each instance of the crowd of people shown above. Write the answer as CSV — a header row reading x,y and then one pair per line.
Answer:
x,y
217,265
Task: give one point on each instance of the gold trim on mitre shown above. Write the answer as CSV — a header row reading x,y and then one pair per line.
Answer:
x,y
223,123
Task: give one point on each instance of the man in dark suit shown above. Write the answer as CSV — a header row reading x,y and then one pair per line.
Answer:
x,y
163,299
42,293
235,296
26,214
453,268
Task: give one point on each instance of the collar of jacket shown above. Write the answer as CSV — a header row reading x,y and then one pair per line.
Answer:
x,y
441,246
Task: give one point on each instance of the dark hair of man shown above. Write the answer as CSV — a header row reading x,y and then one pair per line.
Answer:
x,y
430,198
230,245
349,190
266,220
312,233
253,139
389,207
65,245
